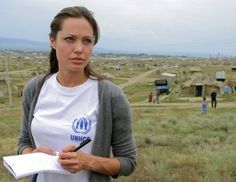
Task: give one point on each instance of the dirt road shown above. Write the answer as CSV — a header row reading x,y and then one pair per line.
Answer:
x,y
184,105
137,78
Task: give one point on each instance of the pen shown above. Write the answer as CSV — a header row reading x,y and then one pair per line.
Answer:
x,y
82,144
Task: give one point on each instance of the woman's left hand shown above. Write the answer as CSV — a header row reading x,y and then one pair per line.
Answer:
x,y
73,161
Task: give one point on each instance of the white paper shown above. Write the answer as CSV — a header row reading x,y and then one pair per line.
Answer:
x,y
28,164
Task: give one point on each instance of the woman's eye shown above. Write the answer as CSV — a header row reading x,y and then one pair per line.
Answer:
x,y
69,39
87,41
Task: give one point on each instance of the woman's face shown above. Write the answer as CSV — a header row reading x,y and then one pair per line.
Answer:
x,y
73,44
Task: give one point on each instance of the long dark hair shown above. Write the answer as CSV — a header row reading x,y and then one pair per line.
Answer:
x,y
56,25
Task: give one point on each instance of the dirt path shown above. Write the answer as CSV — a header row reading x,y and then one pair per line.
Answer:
x,y
137,78
163,105
184,105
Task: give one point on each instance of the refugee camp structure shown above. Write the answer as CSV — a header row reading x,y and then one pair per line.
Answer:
x,y
220,76
230,86
168,76
201,85
233,68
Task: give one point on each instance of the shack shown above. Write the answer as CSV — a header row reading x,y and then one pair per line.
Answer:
x,y
168,76
220,76
201,85
231,86
233,68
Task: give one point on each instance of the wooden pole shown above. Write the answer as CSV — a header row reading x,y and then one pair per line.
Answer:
x,y
7,78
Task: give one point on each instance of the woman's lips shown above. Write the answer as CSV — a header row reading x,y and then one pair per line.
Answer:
x,y
77,60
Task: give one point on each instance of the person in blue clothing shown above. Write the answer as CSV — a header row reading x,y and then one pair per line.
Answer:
x,y
204,106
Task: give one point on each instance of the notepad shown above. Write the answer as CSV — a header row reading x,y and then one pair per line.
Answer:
x,y
28,164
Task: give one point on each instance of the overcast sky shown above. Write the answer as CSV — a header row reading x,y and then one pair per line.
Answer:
x,y
207,26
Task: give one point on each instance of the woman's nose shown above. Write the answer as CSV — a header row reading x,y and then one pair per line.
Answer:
x,y
78,47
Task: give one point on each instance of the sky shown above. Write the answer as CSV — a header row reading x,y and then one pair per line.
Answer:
x,y
144,26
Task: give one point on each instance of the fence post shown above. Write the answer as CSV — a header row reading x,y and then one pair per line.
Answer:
x,y
7,78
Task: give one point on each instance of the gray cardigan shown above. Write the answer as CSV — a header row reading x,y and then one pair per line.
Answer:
x,y
113,131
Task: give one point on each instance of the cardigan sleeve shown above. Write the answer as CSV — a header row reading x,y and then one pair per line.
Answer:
x,y
29,93
123,145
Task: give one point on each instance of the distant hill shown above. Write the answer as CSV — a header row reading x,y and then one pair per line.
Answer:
x,y
29,45
23,45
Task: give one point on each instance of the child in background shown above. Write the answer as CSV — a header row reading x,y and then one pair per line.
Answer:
x,y
150,97
204,105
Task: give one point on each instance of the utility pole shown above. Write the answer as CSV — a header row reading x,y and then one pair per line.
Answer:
x,y
7,78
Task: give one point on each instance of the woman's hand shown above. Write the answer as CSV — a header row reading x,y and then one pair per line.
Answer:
x,y
73,161
46,150
77,161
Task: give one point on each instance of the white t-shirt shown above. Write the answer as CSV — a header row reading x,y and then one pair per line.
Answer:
x,y
63,116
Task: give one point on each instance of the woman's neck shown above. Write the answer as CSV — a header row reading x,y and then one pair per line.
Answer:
x,y
71,79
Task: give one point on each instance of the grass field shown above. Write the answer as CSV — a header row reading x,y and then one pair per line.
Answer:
x,y
184,145
173,144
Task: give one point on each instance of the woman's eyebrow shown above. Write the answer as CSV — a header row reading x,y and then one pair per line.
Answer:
x,y
73,35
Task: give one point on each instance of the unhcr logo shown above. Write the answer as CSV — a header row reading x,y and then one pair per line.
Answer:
x,y
81,125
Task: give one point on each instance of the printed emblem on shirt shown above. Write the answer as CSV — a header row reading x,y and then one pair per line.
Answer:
x,y
81,125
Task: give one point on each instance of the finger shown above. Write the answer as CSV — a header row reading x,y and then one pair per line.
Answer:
x,y
68,161
67,155
69,148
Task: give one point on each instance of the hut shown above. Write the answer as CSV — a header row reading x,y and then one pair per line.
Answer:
x,y
233,68
220,76
201,85
231,86
117,67
169,76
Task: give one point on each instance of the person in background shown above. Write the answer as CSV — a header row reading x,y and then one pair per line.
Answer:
x,y
73,103
204,106
213,99
150,97
158,96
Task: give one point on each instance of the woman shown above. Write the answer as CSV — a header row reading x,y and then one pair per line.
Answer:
x,y
72,103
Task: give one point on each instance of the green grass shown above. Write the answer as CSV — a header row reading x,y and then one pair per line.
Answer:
x,y
184,147
9,126
139,91
173,144
118,81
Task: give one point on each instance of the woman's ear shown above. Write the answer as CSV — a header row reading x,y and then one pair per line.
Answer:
x,y
52,42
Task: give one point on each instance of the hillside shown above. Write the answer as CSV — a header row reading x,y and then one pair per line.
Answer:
x,y
29,45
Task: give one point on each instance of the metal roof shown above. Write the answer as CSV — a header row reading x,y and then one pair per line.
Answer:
x,y
220,75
